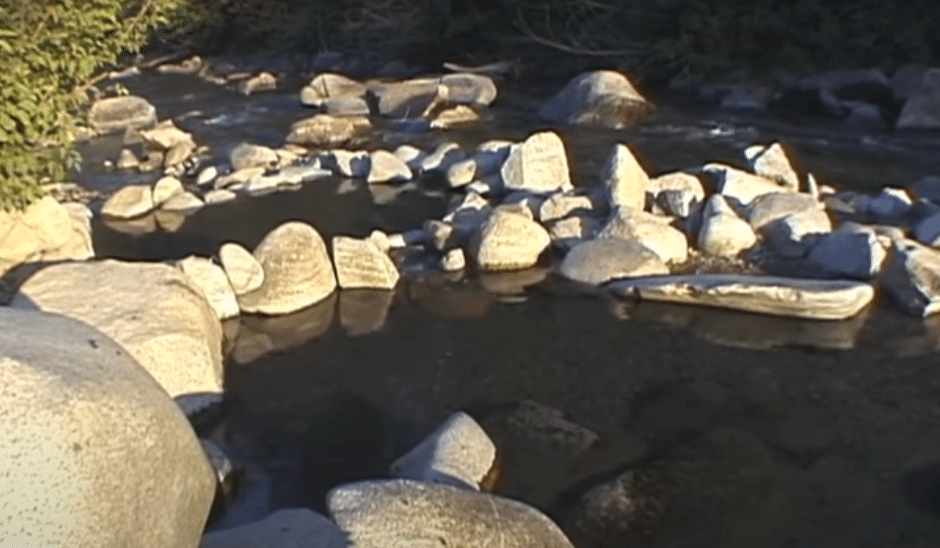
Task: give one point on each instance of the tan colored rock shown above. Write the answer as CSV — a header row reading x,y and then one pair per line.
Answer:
x,y
538,164
297,271
243,270
360,264
324,130
772,162
508,240
247,155
120,113
129,202
723,233
166,188
94,450
184,202
213,282
153,310
651,231
625,179
385,167
44,231
454,116
409,99
329,85
165,136
599,261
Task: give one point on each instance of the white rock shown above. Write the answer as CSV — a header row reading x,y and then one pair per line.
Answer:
x,y
153,310
792,297
625,179
723,233
651,231
354,164
360,264
508,240
247,155
219,196
211,279
185,202
166,188
115,114
44,231
129,202
856,254
385,167
772,162
461,173
911,278
599,261
453,260
538,164
457,453
84,430
297,271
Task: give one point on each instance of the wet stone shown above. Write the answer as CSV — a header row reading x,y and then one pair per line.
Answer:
x,y
364,311
362,265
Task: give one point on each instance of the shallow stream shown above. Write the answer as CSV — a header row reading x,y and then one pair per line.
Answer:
x,y
847,409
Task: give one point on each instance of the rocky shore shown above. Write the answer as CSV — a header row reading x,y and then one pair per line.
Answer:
x,y
90,344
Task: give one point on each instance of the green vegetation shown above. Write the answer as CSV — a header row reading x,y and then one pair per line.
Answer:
x,y
49,53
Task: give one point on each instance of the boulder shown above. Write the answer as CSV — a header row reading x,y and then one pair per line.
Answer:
x,y
624,179
243,270
247,155
94,450
599,261
129,202
177,155
360,264
297,271
115,114
382,513
723,233
219,196
287,528
538,164
601,98
409,99
922,109
457,453
166,188
211,279
324,130
153,310
464,88
509,240
794,235
912,278
651,231
44,231
327,86
778,296
772,163
854,254
767,208
385,167
740,185
345,106
165,136
890,204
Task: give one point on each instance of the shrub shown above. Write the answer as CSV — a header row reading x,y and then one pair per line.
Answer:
x,y
49,53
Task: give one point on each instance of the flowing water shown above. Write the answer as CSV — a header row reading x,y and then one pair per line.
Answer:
x,y
848,411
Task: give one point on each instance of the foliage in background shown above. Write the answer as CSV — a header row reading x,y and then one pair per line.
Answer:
x,y
49,53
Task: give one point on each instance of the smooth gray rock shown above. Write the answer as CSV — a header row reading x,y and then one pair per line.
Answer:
x,y
768,208
772,162
599,261
94,451
360,264
384,513
152,310
855,254
723,233
651,231
601,98
509,240
385,167
922,109
244,272
115,114
538,164
247,155
297,271
288,528
44,231
328,85
211,279
913,278
740,185
410,98
469,89
779,296
624,179
457,453
129,202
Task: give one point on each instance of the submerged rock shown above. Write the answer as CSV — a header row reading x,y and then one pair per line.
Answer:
x,y
793,297
297,271
600,98
382,513
89,441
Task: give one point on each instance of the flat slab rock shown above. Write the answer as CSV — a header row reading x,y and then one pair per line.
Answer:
x,y
793,297
384,513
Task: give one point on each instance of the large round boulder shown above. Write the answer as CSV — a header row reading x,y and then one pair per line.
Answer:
x,y
602,98
43,231
93,451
